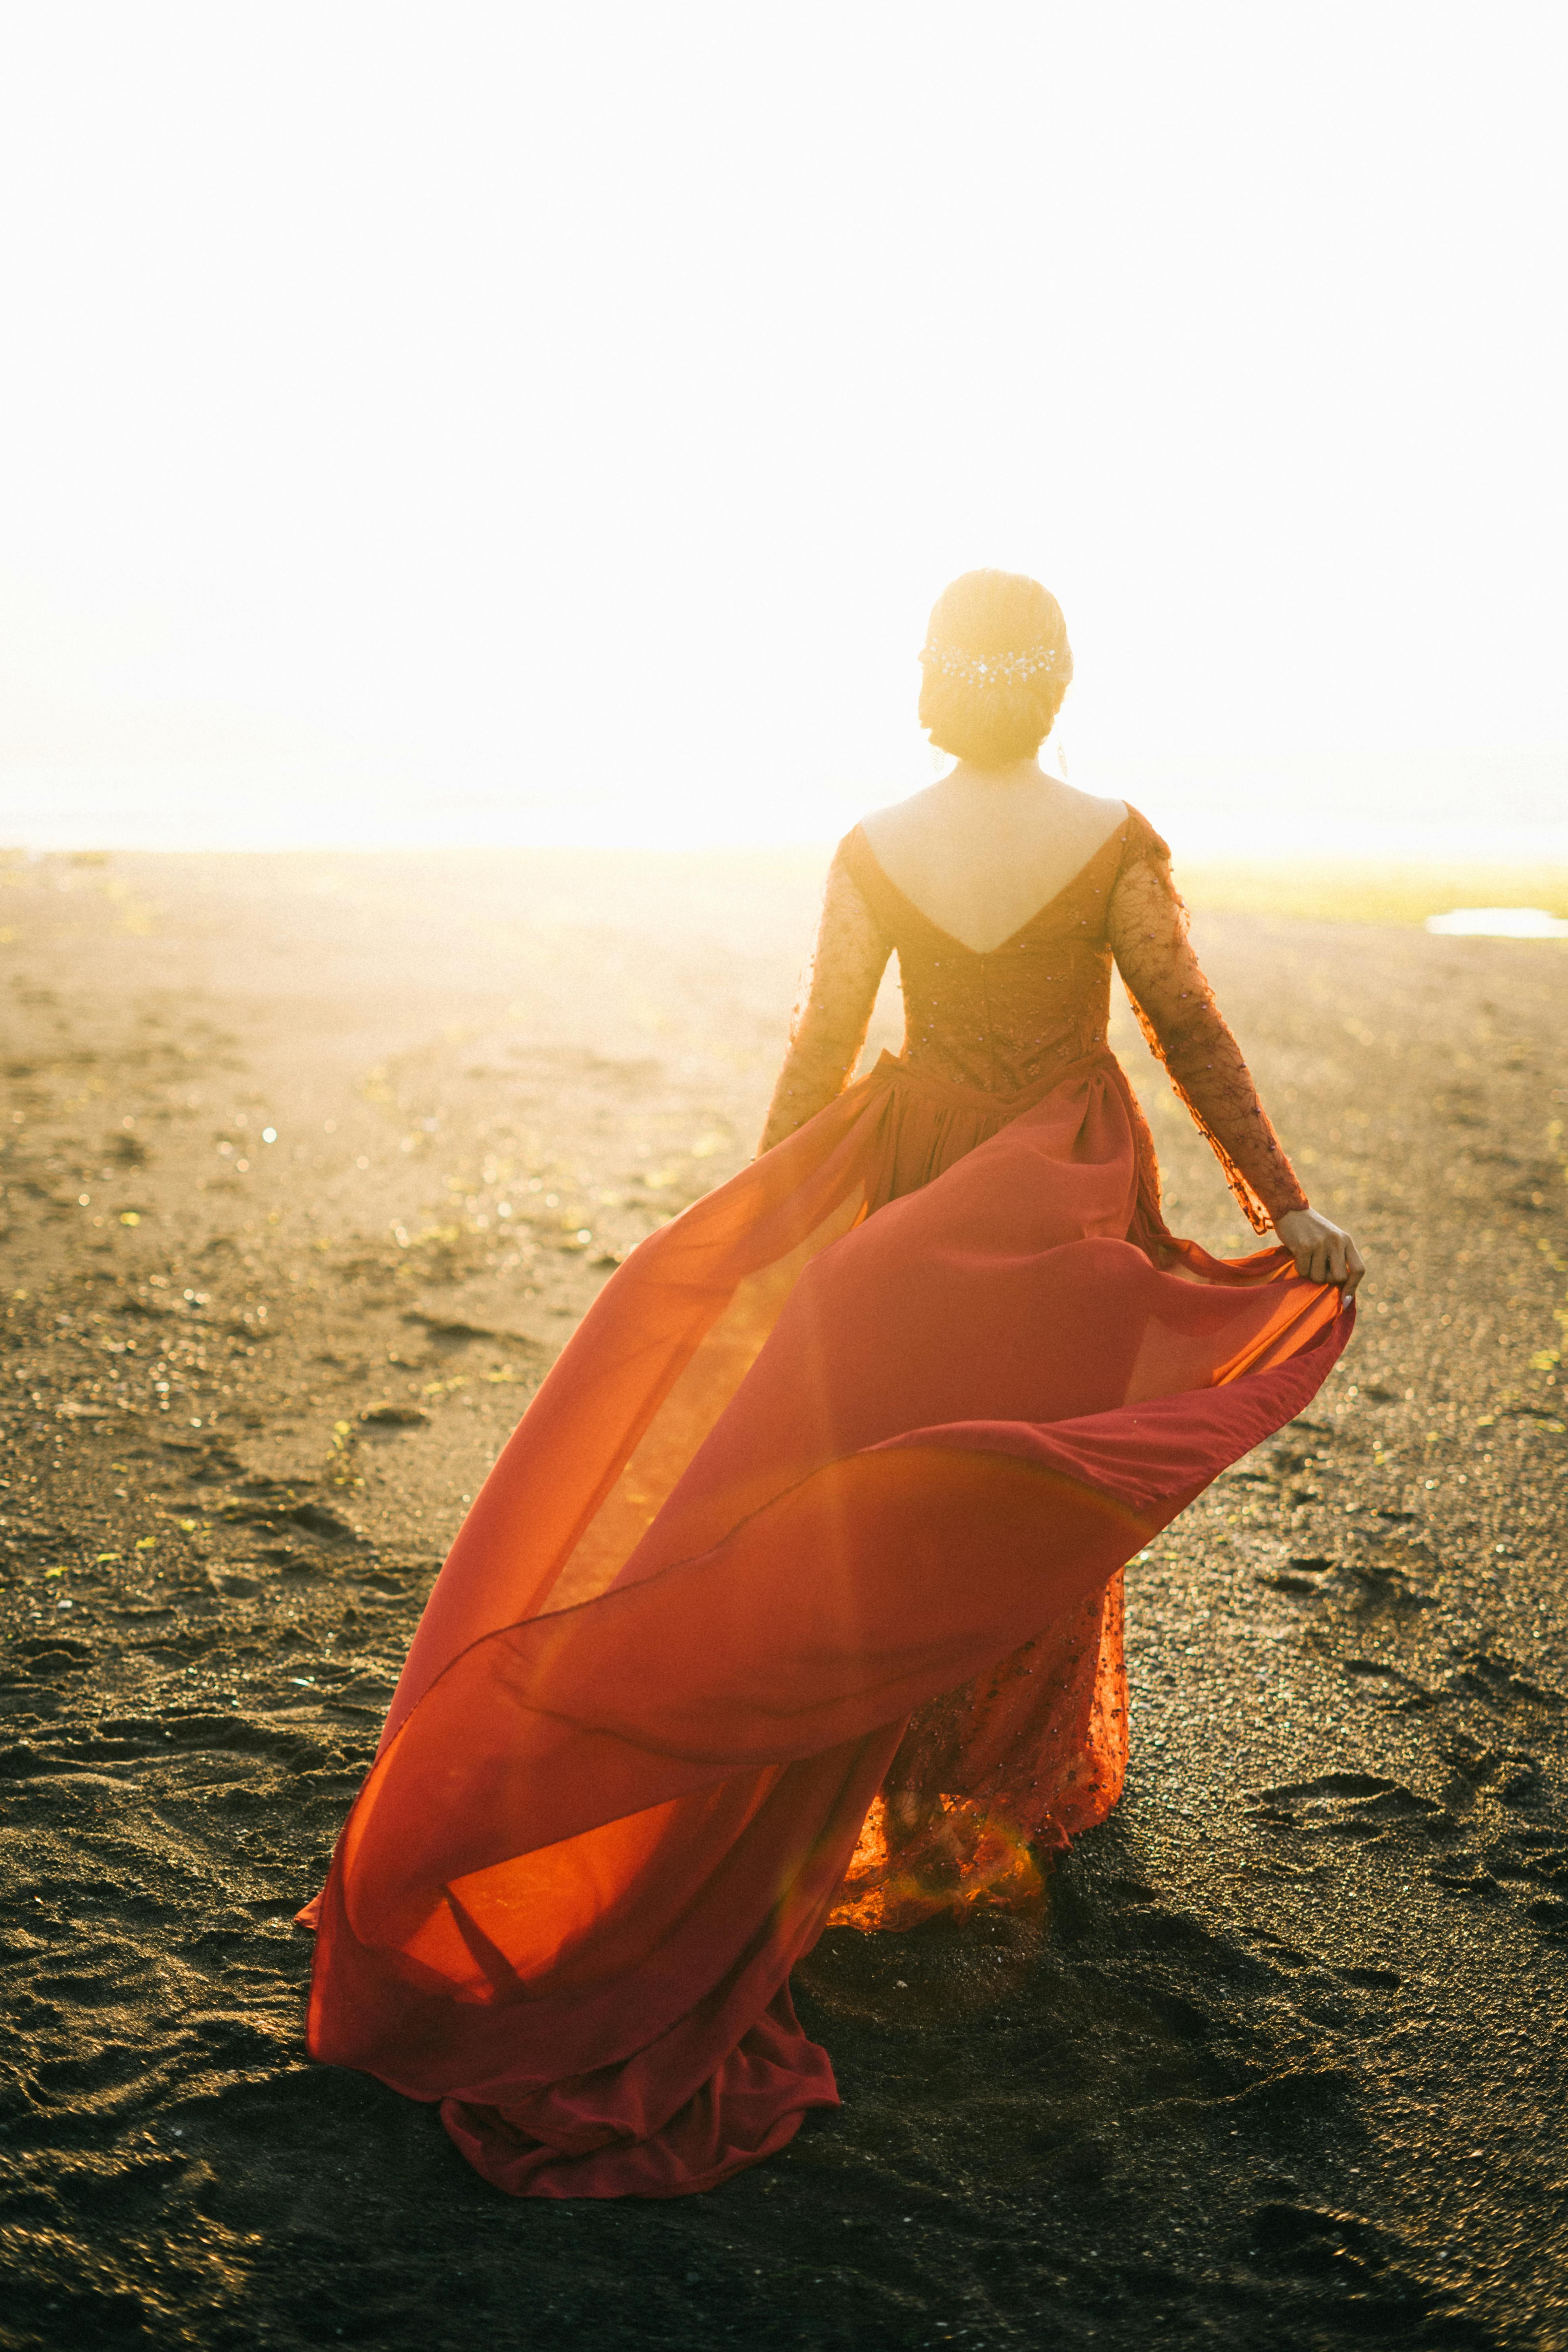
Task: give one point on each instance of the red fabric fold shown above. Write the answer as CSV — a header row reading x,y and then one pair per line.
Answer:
x,y
802,1473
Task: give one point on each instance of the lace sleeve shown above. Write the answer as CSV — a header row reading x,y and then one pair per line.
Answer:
x,y
1147,928
833,1010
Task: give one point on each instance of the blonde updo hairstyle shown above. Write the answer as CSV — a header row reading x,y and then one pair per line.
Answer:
x,y
996,718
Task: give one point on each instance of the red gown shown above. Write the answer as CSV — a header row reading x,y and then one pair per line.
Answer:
x,y
828,1495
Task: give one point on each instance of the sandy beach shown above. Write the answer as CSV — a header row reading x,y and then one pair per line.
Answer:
x,y
310,1163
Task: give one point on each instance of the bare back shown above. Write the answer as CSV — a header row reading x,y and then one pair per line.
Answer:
x,y
983,850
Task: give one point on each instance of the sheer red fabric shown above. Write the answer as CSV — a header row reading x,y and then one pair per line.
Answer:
x,y
827,1497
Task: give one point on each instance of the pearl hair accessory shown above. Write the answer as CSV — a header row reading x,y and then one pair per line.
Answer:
x,y
987,669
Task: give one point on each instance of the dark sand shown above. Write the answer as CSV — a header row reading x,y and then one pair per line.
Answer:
x,y
1285,2067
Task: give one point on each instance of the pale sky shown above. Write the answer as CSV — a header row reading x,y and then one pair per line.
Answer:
x,y
510,421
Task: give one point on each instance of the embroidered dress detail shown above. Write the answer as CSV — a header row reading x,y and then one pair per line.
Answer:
x,y
1000,1021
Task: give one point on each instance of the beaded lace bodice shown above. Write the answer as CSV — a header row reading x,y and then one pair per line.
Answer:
x,y
1000,1022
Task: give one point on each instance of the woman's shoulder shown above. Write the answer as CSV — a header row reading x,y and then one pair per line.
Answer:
x,y
1104,806
857,869
892,831
896,820
1099,816
1142,843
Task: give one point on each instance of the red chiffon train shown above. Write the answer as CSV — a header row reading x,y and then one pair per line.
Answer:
x,y
801,1482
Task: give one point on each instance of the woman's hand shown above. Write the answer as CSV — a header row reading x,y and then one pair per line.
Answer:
x,y
1323,1251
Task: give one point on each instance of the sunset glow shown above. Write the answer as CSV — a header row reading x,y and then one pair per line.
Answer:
x,y
501,424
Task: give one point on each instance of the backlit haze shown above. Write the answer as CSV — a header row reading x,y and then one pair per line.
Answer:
x,y
496,424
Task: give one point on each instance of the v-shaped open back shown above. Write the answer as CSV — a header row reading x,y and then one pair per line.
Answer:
x,y
1001,1019
1113,839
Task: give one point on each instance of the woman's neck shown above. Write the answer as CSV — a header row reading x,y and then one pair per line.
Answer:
x,y
969,776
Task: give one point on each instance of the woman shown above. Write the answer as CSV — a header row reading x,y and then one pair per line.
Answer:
x,y
796,1594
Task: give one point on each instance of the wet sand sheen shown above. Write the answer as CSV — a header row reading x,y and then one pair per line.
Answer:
x,y
1284,2062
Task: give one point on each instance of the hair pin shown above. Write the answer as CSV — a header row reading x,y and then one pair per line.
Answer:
x,y
987,669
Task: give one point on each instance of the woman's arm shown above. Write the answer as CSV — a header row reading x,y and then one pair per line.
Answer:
x,y
833,1012
1147,928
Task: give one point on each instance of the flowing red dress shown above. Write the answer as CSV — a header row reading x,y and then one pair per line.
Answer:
x,y
827,1497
